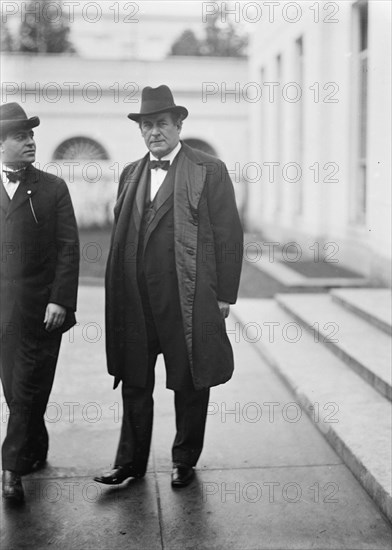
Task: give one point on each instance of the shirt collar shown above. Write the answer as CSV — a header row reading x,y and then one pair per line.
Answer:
x,y
170,156
4,168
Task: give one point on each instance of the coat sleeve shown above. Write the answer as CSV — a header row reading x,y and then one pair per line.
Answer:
x,y
227,233
65,284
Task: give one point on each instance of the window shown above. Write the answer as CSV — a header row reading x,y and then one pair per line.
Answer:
x,y
80,148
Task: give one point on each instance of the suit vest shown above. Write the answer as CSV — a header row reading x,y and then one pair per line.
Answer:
x,y
156,236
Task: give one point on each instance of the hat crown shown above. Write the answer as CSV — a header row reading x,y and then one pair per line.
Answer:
x,y
157,100
12,111
12,116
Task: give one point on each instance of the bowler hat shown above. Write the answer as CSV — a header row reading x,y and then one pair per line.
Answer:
x,y
12,116
157,100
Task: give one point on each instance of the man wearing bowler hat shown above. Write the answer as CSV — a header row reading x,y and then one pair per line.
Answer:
x,y
172,273
39,279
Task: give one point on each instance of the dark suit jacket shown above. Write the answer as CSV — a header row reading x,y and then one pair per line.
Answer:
x,y
39,249
207,246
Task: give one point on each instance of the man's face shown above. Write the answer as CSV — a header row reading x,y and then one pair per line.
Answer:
x,y
18,148
160,134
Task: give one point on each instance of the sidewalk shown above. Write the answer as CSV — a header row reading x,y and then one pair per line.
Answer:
x,y
267,478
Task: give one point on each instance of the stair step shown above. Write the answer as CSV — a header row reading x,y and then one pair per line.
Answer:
x,y
365,348
282,273
372,304
354,417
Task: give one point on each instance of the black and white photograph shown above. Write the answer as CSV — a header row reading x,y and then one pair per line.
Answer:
x,y
195,275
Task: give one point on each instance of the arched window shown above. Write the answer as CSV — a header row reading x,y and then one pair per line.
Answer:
x,y
80,148
201,145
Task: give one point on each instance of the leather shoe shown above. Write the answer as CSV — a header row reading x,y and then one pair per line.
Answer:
x,y
181,475
118,475
12,487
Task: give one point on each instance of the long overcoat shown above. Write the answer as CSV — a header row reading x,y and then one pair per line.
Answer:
x,y
39,250
208,246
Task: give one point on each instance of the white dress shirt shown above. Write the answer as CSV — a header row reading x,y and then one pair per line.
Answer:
x,y
157,174
9,186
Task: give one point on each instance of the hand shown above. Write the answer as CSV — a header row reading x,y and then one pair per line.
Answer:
x,y
54,317
224,308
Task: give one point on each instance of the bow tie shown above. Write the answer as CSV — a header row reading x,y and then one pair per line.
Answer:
x,y
15,176
163,164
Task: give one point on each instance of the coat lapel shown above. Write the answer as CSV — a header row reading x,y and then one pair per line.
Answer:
x,y
130,202
140,198
25,190
190,179
188,187
4,198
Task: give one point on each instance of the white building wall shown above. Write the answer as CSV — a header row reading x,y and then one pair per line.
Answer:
x,y
379,143
77,97
328,136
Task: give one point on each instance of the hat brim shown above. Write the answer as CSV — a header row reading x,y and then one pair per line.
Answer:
x,y
177,109
32,122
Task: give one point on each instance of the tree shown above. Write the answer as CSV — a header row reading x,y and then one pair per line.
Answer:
x,y
186,44
46,31
221,39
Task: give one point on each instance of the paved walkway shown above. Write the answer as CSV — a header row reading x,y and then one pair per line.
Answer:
x,y
267,479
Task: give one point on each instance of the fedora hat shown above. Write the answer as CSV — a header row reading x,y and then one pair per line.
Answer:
x,y
13,116
157,100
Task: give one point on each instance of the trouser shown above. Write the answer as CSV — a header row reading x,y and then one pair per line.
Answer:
x,y
138,409
27,366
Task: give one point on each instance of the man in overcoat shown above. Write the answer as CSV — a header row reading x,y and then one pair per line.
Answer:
x,y
39,279
172,273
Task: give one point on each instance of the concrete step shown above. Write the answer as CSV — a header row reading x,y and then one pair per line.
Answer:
x,y
372,304
365,348
353,416
290,278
